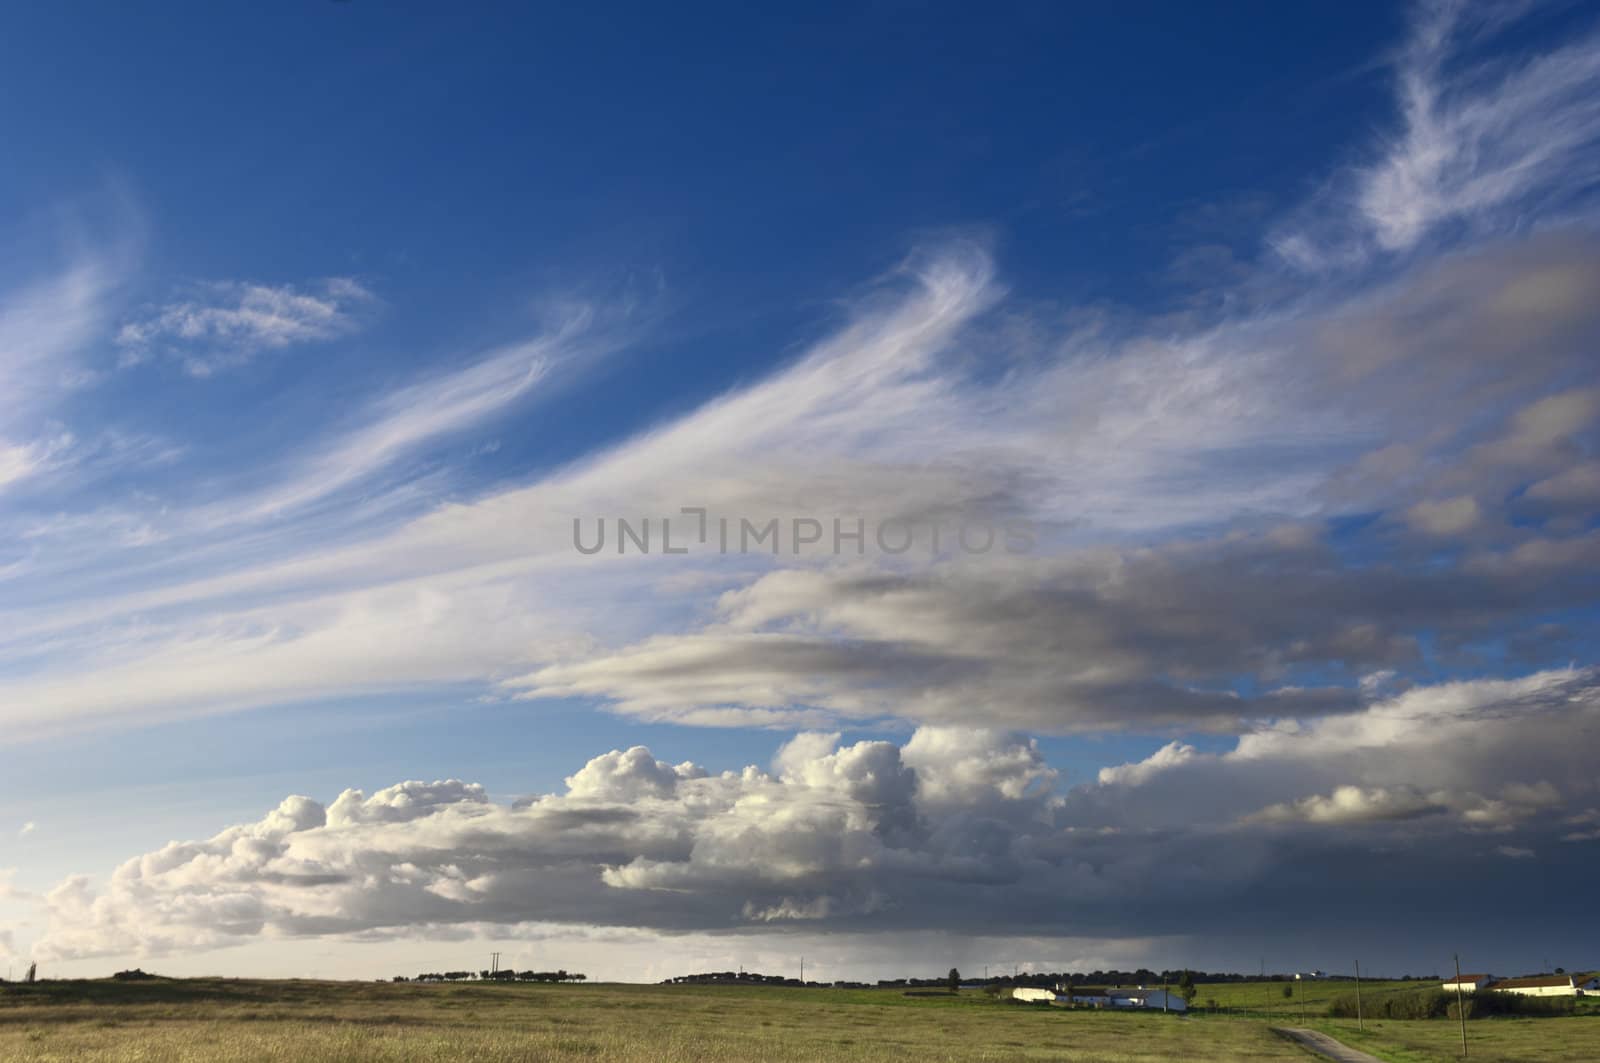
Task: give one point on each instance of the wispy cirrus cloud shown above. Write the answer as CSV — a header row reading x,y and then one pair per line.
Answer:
x,y
226,323
1482,141
1312,522
395,425
1214,437
49,325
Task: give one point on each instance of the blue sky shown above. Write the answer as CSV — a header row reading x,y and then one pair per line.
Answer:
x,y
320,326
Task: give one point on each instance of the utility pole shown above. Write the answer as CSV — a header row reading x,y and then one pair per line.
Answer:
x,y
802,970
1302,999
1461,1011
1359,1023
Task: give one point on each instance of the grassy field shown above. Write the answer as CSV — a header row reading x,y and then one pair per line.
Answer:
x,y
1488,1041
227,1020
218,1020
1267,999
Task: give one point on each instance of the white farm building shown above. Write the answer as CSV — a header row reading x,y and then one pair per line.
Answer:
x,y
1157,999
1544,985
1468,983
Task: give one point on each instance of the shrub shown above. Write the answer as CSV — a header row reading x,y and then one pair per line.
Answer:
x,y
1437,1004
1412,1004
1484,1004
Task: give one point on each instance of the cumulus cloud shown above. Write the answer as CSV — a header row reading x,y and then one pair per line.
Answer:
x,y
955,829
1293,521
226,323
630,776
1168,756
832,832
1352,804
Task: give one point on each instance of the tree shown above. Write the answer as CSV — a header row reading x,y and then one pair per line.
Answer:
x,y
954,978
1288,990
1186,988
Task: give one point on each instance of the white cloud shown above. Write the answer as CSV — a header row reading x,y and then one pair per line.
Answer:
x,y
1180,477
632,841
1352,804
18,462
228,322
46,329
630,776
1168,756
1142,440
1482,142
958,830
397,424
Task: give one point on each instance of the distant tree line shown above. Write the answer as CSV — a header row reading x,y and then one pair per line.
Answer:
x,y
948,981
507,975
1181,981
742,978
1144,976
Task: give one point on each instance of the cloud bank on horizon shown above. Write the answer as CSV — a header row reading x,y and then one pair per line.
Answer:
x,y
958,830
1335,543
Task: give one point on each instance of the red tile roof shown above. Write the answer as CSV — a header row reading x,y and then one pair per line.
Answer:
x,y
1536,982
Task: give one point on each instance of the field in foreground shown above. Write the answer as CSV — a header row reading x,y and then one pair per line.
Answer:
x,y
1488,1041
228,1020
224,1020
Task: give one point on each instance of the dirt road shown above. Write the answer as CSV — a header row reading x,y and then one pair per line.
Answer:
x,y
1324,1045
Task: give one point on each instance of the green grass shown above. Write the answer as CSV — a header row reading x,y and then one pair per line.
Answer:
x,y
225,1021
233,1021
1266,998
1559,1040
